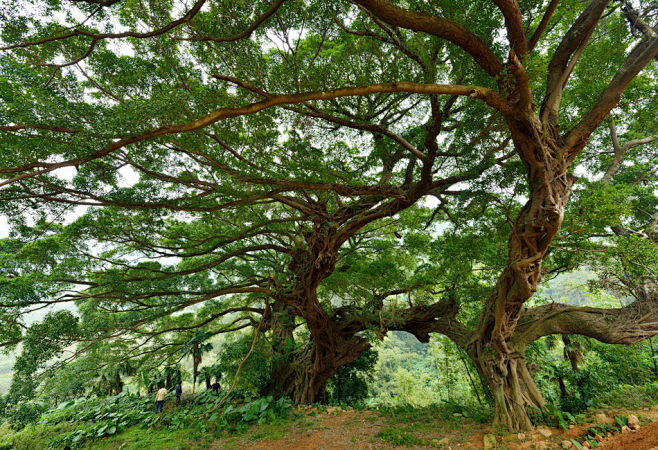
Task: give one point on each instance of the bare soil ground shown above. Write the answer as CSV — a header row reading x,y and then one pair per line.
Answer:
x,y
646,438
334,428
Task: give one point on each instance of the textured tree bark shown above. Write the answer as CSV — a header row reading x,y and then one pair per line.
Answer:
x,y
511,384
196,360
282,327
304,380
502,363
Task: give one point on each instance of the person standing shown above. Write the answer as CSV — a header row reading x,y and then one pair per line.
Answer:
x,y
160,399
179,392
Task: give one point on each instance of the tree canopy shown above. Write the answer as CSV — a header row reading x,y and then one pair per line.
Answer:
x,y
177,170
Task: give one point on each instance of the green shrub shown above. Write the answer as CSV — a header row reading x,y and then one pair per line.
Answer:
x,y
22,414
395,436
255,372
631,396
349,385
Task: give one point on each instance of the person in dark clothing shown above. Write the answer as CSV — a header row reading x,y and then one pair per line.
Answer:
x,y
179,392
215,387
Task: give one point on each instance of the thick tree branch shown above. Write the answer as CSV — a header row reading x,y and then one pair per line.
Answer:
x,y
566,56
487,95
543,24
437,26
639,57
514,24
627,325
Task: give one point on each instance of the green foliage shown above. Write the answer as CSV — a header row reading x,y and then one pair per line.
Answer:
x,y
397,437
255,372
90,419
555,417
630,396
21,414
349,384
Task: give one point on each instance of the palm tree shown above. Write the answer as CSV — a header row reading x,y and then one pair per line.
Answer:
x,y
195,347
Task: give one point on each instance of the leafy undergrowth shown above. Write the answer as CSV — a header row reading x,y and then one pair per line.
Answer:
x,y
86,421
128,422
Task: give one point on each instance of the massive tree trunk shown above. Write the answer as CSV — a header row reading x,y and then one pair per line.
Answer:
x,y
304,380
283,343
501,363
511,384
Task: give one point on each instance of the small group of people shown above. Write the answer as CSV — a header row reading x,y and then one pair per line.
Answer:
x,y
162,393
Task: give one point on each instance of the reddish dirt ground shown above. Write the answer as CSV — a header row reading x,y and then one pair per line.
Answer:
x,y
333,428
346,430
339,429
646,438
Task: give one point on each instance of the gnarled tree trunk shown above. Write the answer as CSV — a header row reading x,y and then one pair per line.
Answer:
x,y
501,363
304,379
282,327
511,384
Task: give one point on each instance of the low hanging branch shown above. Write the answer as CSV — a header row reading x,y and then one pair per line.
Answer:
x,y
237,372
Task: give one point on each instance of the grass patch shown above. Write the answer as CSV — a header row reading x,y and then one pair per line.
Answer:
x,y
34,436
137,438
395,436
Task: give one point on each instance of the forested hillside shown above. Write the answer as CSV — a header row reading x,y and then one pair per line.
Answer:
x,y
446,207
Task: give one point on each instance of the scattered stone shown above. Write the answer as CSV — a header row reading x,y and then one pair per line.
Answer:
x,y
567,444
489,442
601,418
586,445
439,442
633,422
625,429
544,432
457,415
571,426
520,436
